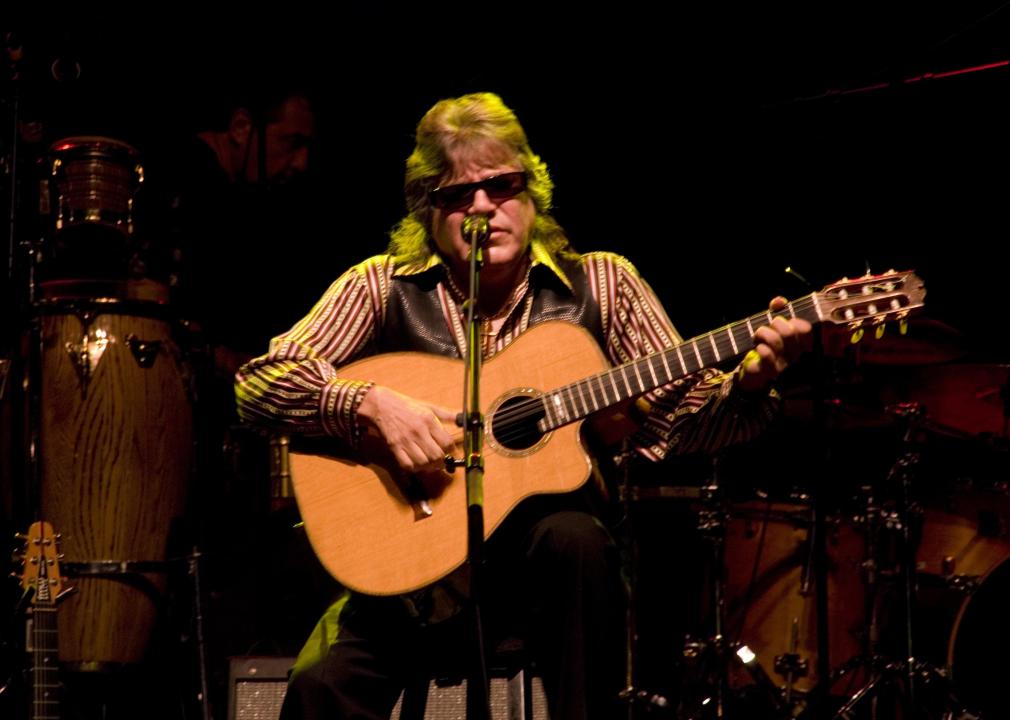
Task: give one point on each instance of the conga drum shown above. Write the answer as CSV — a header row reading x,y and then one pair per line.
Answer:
x,y
88,197
116,451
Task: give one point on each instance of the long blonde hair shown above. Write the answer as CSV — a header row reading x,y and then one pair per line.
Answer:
x,y
456,125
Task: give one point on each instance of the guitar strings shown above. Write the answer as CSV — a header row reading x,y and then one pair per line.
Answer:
x,y
523,411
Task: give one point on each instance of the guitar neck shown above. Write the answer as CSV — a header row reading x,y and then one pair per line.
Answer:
x,y
576,401
45,658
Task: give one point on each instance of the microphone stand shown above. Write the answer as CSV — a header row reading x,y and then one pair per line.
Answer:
x,y
475,230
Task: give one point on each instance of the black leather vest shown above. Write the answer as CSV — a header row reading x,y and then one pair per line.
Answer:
x,y
414,319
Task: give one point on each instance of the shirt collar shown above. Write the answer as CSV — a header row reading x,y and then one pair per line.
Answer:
x,y
539,256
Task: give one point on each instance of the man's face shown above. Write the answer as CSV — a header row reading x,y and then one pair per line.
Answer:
x,y
288,140
511,219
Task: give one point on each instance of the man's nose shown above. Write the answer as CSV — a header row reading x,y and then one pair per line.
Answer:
x,y
481,202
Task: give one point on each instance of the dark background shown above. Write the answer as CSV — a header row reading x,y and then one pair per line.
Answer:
x,y
708,145
712,145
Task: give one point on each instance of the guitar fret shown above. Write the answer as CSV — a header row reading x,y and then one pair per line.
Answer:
x,y
559,407
585,405
624,376
683,365
817,306
711,339
666,366
592,395
732,340
750,327
566,394
655,380
613,383
603,389
641,385
792,312
697,354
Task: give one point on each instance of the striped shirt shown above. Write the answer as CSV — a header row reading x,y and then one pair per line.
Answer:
x,y
297,385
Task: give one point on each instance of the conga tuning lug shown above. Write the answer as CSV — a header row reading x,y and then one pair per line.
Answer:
x,y
145,351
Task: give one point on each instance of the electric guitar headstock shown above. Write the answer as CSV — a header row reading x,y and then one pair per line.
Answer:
x,y
40,578
40,560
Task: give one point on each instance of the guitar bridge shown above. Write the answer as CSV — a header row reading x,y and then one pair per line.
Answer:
x,y
417,496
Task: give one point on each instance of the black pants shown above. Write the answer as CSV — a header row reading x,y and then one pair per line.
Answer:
x,y
554,579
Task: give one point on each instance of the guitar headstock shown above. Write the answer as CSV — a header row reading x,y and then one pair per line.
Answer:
x,y
871,300
41,563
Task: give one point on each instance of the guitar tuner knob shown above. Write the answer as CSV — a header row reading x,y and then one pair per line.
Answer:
x,y
452,463
20,536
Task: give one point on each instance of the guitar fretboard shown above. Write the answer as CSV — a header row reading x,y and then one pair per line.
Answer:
x,y
573,402
45,672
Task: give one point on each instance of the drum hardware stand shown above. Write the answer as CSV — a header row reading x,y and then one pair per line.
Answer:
x,y
713,655
909,674
631,694
133,573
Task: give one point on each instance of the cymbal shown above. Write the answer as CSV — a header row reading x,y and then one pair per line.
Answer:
x,y
924,342
970,398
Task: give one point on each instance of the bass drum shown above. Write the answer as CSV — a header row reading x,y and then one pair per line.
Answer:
x,y
978,651
771,606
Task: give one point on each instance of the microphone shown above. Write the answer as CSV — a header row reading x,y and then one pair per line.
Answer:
x,y
476,229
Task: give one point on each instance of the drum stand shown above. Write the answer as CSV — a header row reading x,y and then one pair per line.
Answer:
x,y
706,692
910,677
134,574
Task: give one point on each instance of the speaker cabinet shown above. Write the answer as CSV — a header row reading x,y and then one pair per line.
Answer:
x,y
257,686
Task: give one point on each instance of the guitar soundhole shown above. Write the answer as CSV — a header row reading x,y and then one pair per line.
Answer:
x,y
514,423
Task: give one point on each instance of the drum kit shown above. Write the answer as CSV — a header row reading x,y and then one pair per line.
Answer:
x,y
109,407
877,585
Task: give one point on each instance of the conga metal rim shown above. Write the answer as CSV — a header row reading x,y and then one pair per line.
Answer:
x,y
97,296
82,142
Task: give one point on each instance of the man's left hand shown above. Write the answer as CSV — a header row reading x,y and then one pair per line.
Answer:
x,y
777,346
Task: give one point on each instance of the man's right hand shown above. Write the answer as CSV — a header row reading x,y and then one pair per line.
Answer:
x,y
413,430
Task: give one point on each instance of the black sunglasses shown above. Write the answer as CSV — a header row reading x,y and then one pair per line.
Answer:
x,y
498,188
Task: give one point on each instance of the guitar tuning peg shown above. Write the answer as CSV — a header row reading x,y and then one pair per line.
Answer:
x,y
878,332
903,327
20,536
856,336
60,556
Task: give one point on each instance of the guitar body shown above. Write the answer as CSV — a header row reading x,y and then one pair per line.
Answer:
x,y
365,522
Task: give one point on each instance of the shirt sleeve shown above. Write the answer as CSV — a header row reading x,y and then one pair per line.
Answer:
x,y
699,412
296,386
